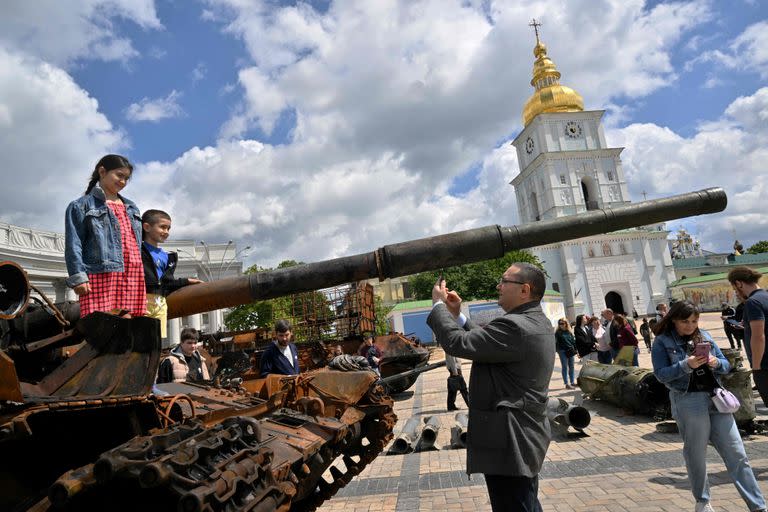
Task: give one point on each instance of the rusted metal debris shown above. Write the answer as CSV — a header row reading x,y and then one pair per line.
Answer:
x,y
81,423
262,450
400,355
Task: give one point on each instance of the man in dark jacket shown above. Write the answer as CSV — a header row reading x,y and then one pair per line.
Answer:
x,y
280,356
513,357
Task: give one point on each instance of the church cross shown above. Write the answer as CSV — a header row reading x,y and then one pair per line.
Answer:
x,y
535,24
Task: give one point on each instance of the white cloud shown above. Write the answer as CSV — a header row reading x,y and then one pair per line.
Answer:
x,y
53,134
751,48
747,52
200,71
62,32
437,82
154,110
729,152
157,53
392,102
264,98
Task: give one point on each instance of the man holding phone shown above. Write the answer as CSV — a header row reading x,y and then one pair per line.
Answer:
x,y
512,361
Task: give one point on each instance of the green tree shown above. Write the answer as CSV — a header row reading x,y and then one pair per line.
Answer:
x,y
758,247
381,312
474,281
250,316
306,311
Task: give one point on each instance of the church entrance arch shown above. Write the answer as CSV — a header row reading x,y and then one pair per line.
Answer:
x,y
535,206
614,302
589,189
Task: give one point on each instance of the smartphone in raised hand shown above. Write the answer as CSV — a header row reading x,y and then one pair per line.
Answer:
x,y
702,349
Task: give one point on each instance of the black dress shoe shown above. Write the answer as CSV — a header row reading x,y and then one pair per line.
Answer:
x,y
454,408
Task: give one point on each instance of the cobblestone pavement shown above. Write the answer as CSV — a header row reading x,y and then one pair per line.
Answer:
x,y
621,464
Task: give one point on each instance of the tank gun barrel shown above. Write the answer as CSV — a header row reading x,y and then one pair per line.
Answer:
x,y
437,252
415,371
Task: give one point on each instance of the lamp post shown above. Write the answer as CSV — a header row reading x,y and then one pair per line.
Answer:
x,y
199,263
223,255
234,259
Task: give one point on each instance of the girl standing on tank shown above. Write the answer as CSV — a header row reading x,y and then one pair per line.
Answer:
x,y
102,240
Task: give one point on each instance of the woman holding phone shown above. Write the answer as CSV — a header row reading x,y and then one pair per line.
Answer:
x,y
689,363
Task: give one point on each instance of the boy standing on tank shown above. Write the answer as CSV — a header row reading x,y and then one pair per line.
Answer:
x,y
159,267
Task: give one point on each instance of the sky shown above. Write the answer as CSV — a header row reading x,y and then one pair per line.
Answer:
x,y
313,130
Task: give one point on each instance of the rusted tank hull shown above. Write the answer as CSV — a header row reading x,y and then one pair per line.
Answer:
x,y
227,450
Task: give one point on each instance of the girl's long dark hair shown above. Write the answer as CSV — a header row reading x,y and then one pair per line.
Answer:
x,y
108,162
580,321
680,310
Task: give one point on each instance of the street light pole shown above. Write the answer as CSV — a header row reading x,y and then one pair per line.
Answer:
x,y
198,263
234,258
221,263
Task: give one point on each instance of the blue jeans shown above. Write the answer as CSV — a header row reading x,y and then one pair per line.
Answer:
x,y
699,422
566,366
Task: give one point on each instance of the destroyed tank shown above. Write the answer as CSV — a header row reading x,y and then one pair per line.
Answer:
x,y
335,318
92,432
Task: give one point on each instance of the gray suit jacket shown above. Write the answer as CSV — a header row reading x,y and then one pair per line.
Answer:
x,y
513,357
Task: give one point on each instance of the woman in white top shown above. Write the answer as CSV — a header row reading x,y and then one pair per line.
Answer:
x,y
603,340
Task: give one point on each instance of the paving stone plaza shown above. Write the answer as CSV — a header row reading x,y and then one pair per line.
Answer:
x,y
622,464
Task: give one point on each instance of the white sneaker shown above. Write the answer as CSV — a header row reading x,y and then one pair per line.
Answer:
x,y
703,506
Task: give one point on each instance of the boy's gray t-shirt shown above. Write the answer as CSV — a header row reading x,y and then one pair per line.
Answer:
x,y
756,308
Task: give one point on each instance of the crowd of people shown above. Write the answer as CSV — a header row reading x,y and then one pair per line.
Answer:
x,y
513,358
597,338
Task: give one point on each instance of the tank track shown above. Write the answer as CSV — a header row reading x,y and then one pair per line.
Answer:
x,y
273,463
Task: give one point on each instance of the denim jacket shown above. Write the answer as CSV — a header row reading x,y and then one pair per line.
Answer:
x,y
670,365
92,236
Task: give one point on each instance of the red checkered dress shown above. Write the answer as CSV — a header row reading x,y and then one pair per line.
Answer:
x,y
119,290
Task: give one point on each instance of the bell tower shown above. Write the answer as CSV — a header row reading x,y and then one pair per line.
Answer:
x,y
566,166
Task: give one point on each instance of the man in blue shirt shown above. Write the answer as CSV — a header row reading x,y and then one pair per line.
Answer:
x,y
745,281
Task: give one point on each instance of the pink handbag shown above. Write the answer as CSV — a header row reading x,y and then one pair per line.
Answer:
x,y
725,401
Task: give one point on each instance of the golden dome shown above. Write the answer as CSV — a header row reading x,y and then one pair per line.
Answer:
x,y
549,96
